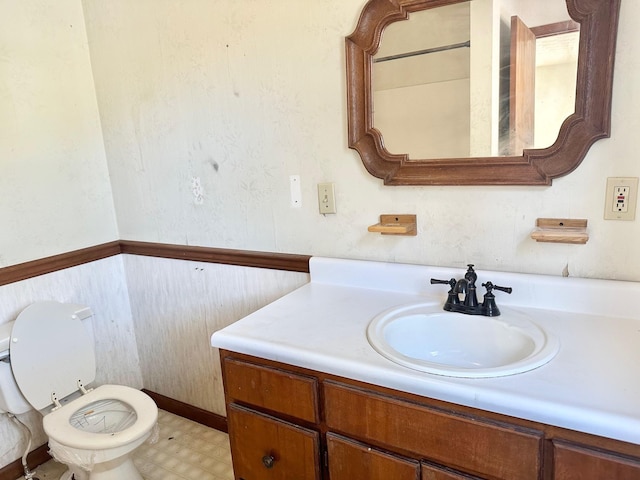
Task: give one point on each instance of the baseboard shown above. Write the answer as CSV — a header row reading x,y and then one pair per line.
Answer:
x,y
190,412
15,469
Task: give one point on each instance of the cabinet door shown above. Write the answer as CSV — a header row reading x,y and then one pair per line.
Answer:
x,y
574,462
266,448
351,460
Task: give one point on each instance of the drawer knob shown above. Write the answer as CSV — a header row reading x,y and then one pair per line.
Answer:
x,y
268,461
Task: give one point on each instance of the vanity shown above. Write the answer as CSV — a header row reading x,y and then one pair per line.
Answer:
x,y
309,397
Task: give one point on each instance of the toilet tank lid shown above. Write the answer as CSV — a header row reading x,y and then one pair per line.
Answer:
x,y
5,337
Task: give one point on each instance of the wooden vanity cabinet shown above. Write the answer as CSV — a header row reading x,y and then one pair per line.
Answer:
x,y
287,422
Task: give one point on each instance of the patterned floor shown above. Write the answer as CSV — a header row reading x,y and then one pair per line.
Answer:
x,y
185,450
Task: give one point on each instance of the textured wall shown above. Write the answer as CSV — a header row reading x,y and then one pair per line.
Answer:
x,y
207,107
100,285
56,194
177,305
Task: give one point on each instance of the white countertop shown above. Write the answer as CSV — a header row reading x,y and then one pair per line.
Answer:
x,y
592,385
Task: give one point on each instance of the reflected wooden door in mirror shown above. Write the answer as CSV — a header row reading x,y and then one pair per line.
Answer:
x,y
483,152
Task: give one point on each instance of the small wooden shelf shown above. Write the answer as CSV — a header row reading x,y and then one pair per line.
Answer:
x,y
561,230
396,225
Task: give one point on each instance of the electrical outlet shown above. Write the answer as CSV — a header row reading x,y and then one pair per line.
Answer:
x,y
326,198
621,197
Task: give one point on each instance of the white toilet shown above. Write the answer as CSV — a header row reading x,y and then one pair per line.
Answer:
x,y
46,359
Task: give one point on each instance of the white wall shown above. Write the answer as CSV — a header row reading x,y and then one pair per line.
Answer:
x,y
242,94
56,194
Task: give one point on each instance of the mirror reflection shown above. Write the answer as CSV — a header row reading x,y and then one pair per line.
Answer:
x,y
475,79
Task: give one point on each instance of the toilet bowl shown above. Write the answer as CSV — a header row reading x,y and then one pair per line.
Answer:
x,y
97,431
92,431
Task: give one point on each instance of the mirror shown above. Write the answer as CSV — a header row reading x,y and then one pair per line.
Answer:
x,y
424,61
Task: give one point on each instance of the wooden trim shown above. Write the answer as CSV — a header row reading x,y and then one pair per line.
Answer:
x,y
190,412
245,258
590,122
276,261
36,457
557,28
23,271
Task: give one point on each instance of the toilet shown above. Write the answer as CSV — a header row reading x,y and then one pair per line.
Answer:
x,y
47,361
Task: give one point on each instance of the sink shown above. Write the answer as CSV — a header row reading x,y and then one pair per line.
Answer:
x,y
423,337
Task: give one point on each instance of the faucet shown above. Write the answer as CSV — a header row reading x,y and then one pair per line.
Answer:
x,y
467,287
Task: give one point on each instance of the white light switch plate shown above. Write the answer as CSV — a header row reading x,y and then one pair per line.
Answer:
x,y
326,198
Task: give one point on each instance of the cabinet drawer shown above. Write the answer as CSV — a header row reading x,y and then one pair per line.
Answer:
x,y
350,460
272,389
574,462
488,449
266,448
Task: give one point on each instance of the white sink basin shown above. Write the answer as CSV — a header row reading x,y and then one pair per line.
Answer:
x,y
426,338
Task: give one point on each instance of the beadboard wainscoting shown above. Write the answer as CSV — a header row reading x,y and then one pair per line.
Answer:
x,y
155,307
178,304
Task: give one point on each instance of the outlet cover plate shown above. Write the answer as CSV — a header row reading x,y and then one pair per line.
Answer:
x,y
629,187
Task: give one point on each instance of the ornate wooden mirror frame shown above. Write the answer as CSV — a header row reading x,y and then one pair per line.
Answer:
x,y
590,122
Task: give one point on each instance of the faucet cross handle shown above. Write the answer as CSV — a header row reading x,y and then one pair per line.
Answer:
x,y
451,283
452,295
490,286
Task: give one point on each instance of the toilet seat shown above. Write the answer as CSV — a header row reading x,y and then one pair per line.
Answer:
x,y
51,352
58,427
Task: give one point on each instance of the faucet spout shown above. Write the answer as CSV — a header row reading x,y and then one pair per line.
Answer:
x,y
462,286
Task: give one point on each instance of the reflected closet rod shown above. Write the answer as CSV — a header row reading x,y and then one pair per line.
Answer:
x,y
453,46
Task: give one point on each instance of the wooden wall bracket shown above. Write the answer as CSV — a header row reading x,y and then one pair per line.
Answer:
x,y
396,225
561,230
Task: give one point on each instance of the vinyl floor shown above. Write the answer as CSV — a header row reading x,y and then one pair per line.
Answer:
x,y
185,450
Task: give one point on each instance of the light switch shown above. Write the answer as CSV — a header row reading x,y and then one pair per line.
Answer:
x,y
326,198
